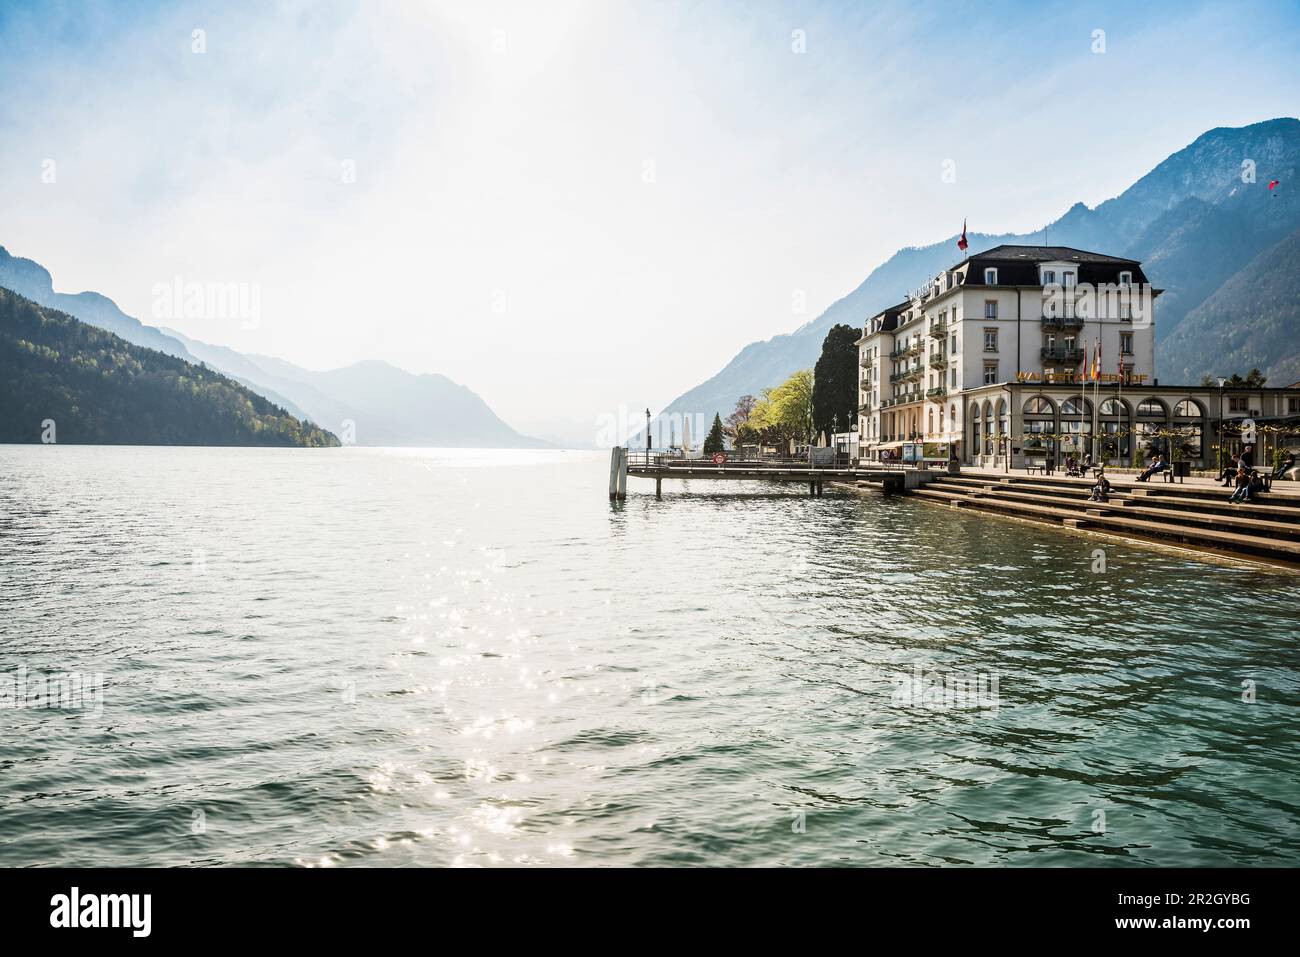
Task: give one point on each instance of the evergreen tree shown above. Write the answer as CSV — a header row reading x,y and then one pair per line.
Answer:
x,y
835,380
713,442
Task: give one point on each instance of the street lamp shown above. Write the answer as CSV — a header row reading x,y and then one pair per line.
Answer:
x,y
647,436
1222,382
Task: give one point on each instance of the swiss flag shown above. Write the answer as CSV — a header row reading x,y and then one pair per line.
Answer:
x,y
961,243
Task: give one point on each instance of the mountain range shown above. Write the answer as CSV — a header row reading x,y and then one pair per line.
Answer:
x,y
368,403
1206,227
66,381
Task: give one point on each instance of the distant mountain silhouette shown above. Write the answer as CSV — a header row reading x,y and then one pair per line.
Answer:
x,y
384,404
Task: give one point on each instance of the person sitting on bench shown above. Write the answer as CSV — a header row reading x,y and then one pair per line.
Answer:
x,y
1229,474
1242,494
1287,465
1157,465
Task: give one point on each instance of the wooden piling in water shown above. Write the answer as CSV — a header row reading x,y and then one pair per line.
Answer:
x,y
617,473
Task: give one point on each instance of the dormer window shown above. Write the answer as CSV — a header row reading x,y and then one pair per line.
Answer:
x,y
1067,278
1049,277
990,277
1126,279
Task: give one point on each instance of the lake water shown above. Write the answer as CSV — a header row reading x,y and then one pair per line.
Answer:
x,y
377,657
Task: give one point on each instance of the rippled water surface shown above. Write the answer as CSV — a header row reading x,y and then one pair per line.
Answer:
x,y
371,657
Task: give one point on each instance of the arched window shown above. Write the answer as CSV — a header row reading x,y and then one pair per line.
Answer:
x,y
1076,405
1038,405
1151,409
1113,407
1187,409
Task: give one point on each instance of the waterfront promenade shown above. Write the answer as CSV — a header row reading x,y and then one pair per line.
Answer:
x,y
1193,513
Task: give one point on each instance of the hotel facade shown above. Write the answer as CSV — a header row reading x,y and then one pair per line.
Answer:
x,y
1028,353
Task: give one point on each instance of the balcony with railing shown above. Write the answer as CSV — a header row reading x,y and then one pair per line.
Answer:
x,y
938,392
916,348
1062,322
899,352
866,360
938,360
939,328
1066,355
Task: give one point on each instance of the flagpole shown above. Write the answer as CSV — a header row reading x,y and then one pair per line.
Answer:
x,y
1087,370
1119,407
1096,395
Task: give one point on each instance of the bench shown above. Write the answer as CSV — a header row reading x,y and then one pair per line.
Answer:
x,y
1179,471
1042,466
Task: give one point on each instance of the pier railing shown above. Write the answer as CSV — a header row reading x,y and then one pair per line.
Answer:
x,y
660,459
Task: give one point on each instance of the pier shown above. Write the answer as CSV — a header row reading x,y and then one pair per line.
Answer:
x,y
660,466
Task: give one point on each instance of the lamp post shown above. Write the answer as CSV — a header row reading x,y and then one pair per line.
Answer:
x,y
647,436
1222,382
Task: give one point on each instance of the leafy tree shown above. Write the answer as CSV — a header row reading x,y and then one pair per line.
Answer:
x,y
713,441
1254,380
785,412
835,379
740,417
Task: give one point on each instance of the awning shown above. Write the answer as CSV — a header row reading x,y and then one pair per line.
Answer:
x,y
890,445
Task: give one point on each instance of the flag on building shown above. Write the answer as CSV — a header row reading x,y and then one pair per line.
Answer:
x,y
1096,365
961,243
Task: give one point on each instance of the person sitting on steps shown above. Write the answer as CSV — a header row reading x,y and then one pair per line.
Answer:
x,y
1242,494
1256,485
1101,491
1157,465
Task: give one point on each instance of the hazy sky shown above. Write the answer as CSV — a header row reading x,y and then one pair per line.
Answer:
x,y
572,206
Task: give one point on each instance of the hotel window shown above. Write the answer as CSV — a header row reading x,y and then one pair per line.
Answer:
x,y
990,277
990,373
953,348
1292,405
953,373
990,308
990,340
1126,343
1049,277
1238,403
1049,341
1125,278
1125,312
1067,278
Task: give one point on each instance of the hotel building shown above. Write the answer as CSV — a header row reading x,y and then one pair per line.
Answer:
x,y
987,363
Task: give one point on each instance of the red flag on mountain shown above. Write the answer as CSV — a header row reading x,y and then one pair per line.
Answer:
x,y
962,244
